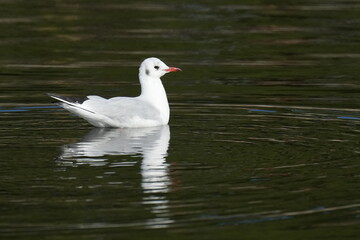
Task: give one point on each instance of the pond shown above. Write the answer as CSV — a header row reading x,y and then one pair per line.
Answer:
x,y
263,138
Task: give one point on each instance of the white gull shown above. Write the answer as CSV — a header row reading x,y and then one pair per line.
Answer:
x,y
149,109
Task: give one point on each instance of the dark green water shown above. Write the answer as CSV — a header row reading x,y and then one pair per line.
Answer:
x,y
263,141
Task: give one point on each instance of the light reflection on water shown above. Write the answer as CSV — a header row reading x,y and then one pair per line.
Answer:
x,y
152,143
253,131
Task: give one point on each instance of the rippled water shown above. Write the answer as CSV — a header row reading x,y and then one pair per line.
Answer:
x,y
263,137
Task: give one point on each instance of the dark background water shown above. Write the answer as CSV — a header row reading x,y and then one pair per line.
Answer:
x,y
263,137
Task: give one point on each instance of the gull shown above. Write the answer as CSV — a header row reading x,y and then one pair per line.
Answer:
x,y
149,109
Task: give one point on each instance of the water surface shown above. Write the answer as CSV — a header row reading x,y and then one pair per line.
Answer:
x,y
262,141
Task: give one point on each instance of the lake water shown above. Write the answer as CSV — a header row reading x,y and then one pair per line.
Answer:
x,y
263,140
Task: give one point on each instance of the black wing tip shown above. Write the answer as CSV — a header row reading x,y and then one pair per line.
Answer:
x,y
55,96
72,101
52,95
78,100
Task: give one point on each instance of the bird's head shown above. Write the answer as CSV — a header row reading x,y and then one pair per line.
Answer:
x,y
155,68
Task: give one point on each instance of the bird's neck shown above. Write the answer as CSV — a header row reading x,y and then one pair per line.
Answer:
x,y
153,92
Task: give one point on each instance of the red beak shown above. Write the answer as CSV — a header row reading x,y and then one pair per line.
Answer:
x,y
173,69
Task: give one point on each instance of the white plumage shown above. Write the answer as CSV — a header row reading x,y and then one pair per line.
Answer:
x,y
149,109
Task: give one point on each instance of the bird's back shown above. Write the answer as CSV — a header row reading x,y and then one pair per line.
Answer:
x,y
117,112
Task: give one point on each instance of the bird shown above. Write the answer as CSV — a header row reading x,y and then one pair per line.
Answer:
x,y
149,109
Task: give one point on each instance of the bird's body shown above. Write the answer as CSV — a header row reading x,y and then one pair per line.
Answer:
x,y
149,109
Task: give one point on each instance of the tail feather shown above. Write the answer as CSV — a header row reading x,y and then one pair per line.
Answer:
x,y
73,102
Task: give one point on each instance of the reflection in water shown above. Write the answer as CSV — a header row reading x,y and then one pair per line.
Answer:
x,y
152,143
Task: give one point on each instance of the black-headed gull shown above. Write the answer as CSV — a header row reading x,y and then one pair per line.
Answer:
x,y
149,109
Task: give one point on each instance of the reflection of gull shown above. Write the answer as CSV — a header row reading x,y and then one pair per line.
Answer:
x,y
152,143
127,141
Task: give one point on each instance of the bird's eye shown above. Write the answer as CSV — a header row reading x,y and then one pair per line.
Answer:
x,y
157,67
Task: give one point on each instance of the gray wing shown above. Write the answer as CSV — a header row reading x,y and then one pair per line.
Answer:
x,y
121,108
